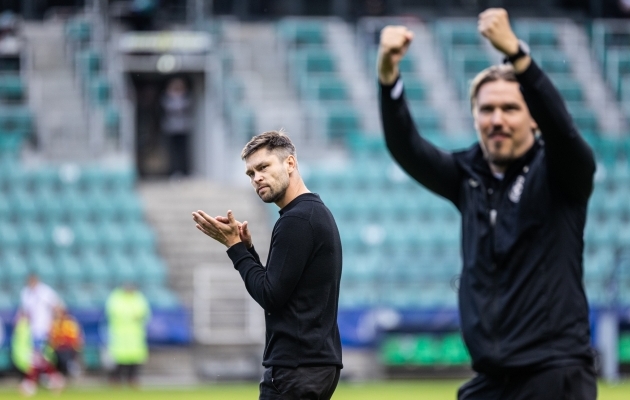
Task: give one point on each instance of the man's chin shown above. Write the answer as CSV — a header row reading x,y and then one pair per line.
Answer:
x,y
501,160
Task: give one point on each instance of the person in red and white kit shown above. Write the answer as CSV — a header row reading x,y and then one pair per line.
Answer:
x,y
38,303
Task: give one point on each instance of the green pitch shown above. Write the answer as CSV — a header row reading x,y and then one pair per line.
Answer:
x,y
433,390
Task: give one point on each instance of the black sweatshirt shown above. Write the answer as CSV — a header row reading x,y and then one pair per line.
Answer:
x,y
521,299
299,287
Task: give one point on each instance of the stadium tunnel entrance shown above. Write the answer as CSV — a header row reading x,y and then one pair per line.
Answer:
x,y
169,125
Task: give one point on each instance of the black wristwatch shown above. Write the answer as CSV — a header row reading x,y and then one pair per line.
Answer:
x,y
523,50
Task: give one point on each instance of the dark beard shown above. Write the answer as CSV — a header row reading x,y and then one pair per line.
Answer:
x,y
276,197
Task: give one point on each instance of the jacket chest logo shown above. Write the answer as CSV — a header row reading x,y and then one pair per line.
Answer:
x,y
517,189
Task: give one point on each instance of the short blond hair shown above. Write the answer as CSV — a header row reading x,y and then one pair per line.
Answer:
x,y
276,141
501,72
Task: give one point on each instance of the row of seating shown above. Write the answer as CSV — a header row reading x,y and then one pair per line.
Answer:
x,y
89,66
424,350
313,71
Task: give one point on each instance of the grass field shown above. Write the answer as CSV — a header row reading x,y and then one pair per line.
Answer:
x,y
433,390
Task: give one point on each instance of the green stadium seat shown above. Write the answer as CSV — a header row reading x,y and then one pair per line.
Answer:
x,y
112,121
568,88
151,268
5,359
453,351
315,61
16,119
40,263
95,268
7,303
78,31
415,90
341,121
326,88
11,88
624,347
160,297
552,61
79,298
14,268
91,357
88,63
100,90
86,236
69,269
122,268
128,206
302,33
137,235
426,118
9,237
33,235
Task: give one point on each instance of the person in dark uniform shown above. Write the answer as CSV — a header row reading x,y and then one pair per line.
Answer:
x,y
522,191
299,287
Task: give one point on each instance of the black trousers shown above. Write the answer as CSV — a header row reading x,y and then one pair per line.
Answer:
x,y
301,383
563,383
178,152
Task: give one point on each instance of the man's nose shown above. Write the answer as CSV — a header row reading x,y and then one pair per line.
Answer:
x,y
497,117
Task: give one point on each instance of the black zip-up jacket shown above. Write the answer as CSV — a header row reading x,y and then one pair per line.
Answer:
x,y
521,298
299,287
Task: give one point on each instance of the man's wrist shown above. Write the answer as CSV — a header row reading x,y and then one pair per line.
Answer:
x,y
233,242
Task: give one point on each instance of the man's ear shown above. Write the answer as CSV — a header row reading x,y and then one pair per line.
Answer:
x,y
291,163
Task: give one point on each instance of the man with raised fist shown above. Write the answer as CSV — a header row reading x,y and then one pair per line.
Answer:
x,y
522,191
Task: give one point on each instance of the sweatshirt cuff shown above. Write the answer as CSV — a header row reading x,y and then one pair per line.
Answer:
x,y
237,253
531,75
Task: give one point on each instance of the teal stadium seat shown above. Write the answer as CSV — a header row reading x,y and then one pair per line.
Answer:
x,y
14,268
78,31
7,303
302,33
138,236
552,61
160,297
79,298
11,88
150,267
99,90
341,121
42,264
88,63
415,90
9,237
326,88
69,269
95,268
122,268
315,61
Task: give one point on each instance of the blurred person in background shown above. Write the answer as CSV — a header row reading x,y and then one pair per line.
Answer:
x,y
177,124
38,302
66,340
128,313
522,191
299,287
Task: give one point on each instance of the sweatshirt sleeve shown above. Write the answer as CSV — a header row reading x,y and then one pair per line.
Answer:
x,y
570,160
291,247
432,167
253,252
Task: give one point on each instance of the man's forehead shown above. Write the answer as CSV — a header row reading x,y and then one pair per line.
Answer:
x,y
500,91
257,157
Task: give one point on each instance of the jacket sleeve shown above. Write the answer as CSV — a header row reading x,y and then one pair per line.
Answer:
x,y
254,253
432,167
570,160
291,247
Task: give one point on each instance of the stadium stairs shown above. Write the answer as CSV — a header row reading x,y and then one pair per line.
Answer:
x,y
53,95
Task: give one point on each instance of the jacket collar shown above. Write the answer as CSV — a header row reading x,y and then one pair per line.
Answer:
x,y
300,198
473,161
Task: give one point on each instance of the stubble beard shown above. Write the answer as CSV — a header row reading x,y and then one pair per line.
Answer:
x,y
274,195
